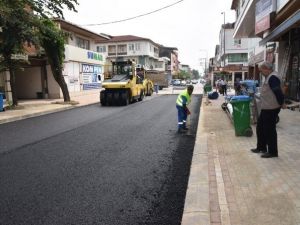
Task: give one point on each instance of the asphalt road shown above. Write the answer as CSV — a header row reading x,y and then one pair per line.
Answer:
x,y
97,165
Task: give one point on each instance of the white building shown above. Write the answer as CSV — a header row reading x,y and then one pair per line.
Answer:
x,y
232,55
128,47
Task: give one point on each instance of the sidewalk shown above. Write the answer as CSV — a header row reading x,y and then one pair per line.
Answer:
x,y
230,185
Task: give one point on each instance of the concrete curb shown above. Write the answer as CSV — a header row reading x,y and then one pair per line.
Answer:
x,y
196,208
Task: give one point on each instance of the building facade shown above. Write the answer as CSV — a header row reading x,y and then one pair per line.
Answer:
x,y
82,70
128,47
276,23
231,56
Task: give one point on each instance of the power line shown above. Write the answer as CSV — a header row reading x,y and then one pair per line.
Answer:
x,y
131,18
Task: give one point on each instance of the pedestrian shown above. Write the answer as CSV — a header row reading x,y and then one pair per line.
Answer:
x,y
271,100
183,99
217,83
223,86
156,87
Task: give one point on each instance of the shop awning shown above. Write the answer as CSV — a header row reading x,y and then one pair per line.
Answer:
x,y
282,28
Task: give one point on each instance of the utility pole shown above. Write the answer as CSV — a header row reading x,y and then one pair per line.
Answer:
x,y
205,61
224,52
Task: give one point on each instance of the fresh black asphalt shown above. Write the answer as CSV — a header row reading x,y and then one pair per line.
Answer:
x,y
97,165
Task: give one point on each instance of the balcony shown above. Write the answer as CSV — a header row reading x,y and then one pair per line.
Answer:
x,y
112,53
245,24
122,53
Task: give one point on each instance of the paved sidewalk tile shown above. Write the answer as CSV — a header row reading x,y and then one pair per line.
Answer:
x,y
258,191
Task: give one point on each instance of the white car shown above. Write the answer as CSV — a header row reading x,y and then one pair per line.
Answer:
x,y
183,82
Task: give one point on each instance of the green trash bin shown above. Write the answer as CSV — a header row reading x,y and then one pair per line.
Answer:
x,y
241,115
207,88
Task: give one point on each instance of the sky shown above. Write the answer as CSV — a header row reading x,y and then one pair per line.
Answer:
x,y
192,26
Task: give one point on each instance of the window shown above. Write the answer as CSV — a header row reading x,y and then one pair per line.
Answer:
x,y
237,42
101,48
122,49
82,43
111,50
131,47
239,57
137,46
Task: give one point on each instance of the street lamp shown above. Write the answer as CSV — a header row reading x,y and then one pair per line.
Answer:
x,y
223,39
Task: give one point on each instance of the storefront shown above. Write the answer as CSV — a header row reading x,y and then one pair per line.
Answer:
x,y
83,69
293,74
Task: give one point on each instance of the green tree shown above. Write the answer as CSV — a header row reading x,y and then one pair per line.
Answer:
x,y
18,22
16,31
184,75
195,74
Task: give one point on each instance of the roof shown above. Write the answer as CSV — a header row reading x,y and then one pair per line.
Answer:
x,y
126,38
169,48
68,26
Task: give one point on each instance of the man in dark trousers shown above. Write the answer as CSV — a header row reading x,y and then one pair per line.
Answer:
x,y
272,100
183,99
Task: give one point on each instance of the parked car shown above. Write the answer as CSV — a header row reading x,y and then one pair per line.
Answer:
x,y
183,82
176,82
194,81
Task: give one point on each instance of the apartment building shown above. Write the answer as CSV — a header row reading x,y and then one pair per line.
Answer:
x,y
231,56
128,47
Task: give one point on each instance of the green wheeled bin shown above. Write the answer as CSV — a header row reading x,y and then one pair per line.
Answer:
x,y
241,115
207,88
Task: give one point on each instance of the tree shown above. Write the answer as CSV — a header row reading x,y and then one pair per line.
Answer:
x,y
195,74
15,23
52,39
18,22
184,75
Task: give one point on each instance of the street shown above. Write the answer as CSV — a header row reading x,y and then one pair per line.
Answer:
x,y
97,165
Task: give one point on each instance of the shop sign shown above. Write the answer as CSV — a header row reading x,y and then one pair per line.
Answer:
x,y
95,56
262,25
90,76
263,8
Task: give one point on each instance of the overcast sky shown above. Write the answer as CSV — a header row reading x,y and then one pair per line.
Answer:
x,y
191,25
